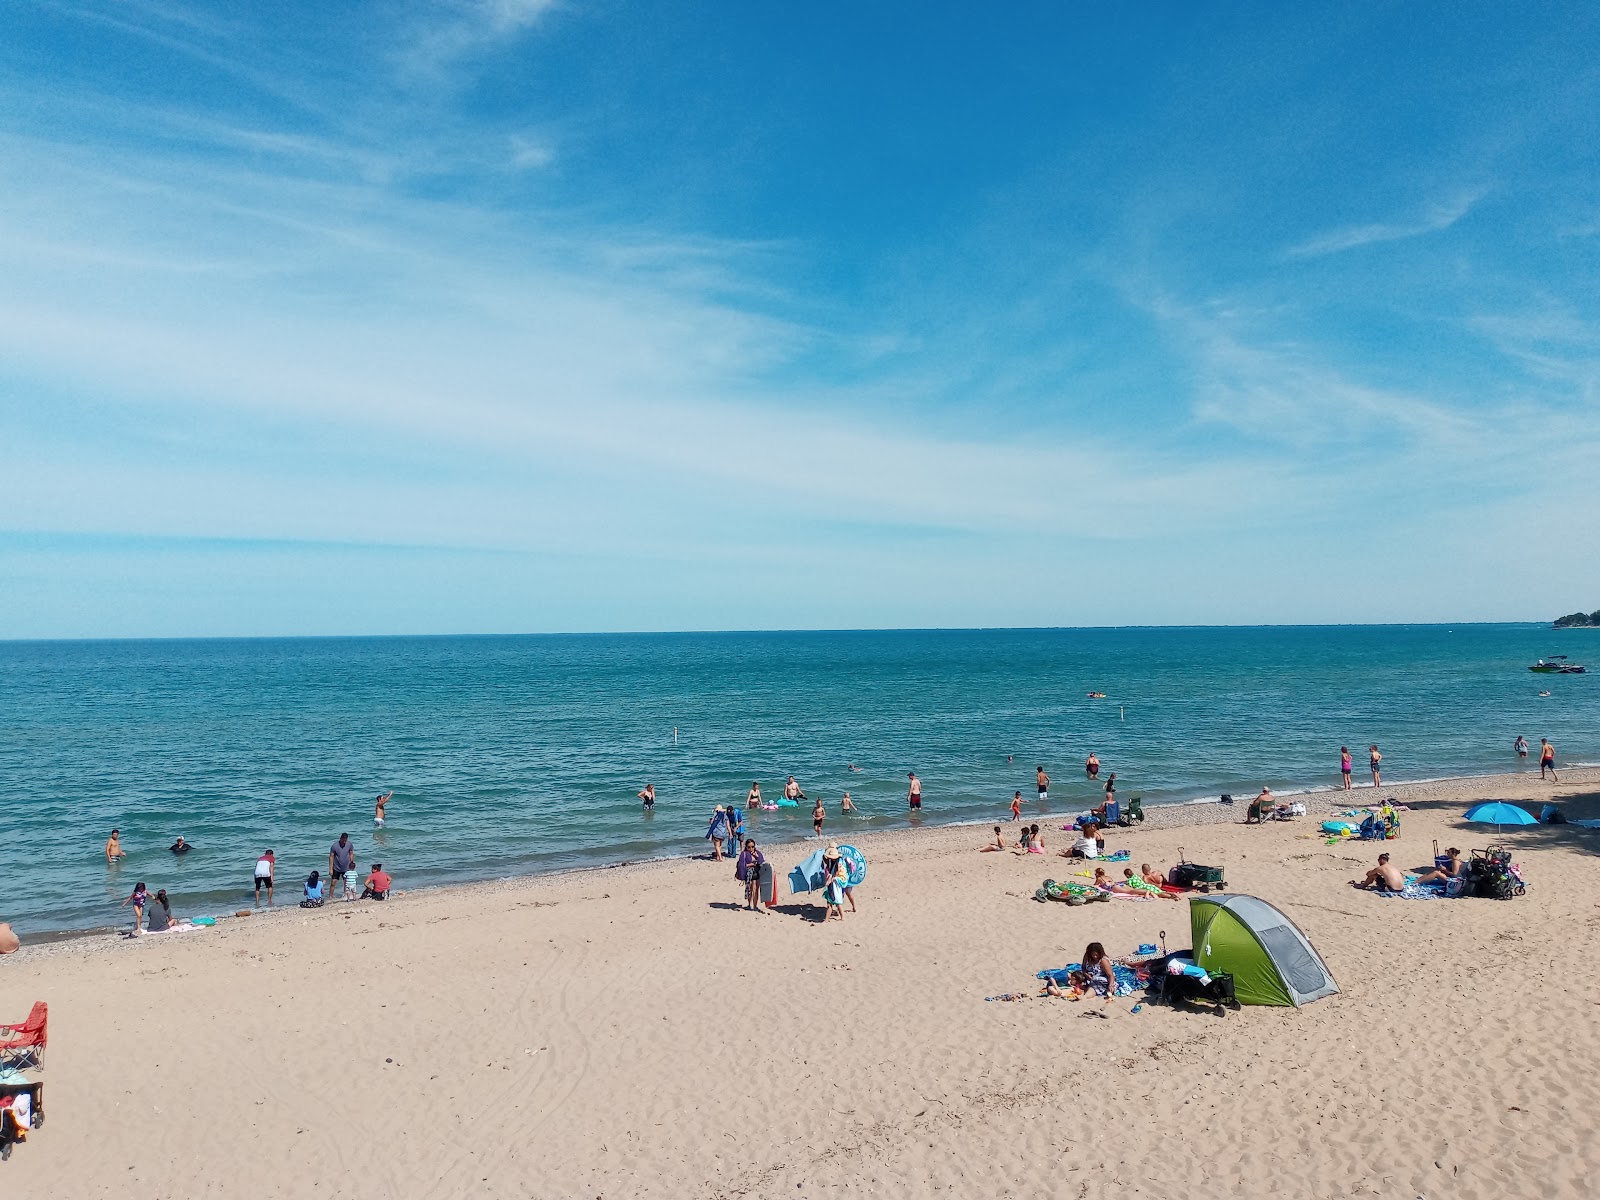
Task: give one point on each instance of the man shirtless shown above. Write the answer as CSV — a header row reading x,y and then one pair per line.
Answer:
x,y
114,848
1547,759
1043,781
791,790
914,792
377,812
1385,877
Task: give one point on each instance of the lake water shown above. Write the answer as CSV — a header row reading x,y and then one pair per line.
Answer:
x,y
510,755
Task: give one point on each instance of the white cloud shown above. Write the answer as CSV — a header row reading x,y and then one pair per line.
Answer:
x,y
530,153
1434,219
456,31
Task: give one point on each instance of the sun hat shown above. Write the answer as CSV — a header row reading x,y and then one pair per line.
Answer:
x,y
831,852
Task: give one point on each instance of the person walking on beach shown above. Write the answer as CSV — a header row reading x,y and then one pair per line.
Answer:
x,y
341,864
648,796
265,865
717,832
1520,746
114,848
747,869
1043,782
1091,766
914,792
817,813
138,899
1016,806
377,812
1345,765
752,798
1547,759
834,874
1373,760
735,829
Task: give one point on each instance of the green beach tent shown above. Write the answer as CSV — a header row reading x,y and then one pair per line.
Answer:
x,y
1269,958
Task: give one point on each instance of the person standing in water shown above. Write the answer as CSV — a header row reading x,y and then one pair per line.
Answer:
x,y
1091,766
1043,781
752,798
1547,759
114,848
914,792
818,812
1373,759
846,805
1520,746
648,796
791,791
377,812
1111,787
266,865
1345,765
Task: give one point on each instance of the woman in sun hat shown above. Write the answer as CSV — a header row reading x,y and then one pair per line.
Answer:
x,y
836,876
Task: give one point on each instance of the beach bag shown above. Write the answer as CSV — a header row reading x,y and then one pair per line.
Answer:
x,y
1457,886
1371,830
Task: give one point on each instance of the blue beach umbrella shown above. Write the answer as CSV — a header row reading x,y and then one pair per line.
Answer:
x,y
1498,813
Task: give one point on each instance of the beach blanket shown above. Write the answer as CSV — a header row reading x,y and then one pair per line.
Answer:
x,y
1417,891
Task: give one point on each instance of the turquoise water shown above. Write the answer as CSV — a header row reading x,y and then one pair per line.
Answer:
x,y
521,754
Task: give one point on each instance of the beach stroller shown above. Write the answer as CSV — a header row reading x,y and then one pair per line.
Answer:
x,y
23,1045
1493,876
21,1110
1185,986
1192,875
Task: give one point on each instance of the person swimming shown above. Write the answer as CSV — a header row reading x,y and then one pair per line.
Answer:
x,y
377,812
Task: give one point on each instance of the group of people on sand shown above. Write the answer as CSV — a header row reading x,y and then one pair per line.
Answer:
x,y
1386,877
152,912
1547,756
836,888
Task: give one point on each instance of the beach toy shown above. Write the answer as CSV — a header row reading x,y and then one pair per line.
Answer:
x,y
1342,828
855,864
203,921
1146,948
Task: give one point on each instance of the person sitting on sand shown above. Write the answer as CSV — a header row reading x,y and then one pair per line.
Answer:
x,y
376,885
9,942
1098,976
1385,877
1451,870
999,843
159,917
1088,844
114,848
1035,840
314,891
180,846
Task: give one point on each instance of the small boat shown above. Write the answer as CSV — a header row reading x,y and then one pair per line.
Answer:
x,y
1557,664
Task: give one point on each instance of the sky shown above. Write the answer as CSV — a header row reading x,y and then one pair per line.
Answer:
x,y
477,316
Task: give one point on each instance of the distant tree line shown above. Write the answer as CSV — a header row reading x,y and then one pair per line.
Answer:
x,y
1578,619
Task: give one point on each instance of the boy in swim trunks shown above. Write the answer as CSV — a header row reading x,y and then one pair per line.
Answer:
x,y
817,813
1043,782
1016,806
1547,759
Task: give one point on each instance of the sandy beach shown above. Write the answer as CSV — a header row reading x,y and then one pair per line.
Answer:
x,y
632,1032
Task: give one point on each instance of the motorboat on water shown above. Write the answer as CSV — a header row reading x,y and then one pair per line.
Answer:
x,y
1557,664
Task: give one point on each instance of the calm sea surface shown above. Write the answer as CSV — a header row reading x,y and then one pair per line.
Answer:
x,y
509,755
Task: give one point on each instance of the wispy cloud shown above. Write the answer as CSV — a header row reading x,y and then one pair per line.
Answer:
x,y
1434,219
456,31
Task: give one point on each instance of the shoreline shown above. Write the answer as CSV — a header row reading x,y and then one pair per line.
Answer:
x,y
1197,813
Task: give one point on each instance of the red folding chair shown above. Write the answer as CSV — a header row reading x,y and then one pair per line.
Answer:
x,y
23,1045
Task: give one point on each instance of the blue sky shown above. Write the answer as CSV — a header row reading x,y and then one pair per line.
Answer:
x,y
504,315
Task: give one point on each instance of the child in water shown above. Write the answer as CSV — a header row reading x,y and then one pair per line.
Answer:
x,y
817,813
847,805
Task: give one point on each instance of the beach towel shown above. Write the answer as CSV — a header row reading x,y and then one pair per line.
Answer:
x,y
1416,891
1128,980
